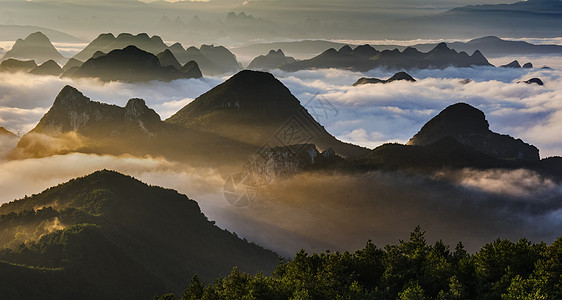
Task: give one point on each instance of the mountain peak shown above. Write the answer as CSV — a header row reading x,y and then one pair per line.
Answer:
x,y
5,132
514,64
441,47
469,126
70,97
461,117
36,46
37,37
401,76
136,109
346,49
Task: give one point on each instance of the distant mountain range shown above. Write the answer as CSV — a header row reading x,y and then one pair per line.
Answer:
x,y
492,46
132,64
110,236
532,18
35,47
211,59
364,58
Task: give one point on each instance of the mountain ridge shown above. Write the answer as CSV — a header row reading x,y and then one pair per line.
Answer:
x,y
125,237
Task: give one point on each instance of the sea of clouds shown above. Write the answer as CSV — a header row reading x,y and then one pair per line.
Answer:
x,y
368,115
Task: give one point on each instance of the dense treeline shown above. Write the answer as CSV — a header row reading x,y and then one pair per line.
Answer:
x,y
412,269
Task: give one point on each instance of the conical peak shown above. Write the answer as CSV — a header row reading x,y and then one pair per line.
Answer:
x,y
69,98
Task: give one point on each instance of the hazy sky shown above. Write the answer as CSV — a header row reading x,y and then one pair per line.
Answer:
x,y
291,18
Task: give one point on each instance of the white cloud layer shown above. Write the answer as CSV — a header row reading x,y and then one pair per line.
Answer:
x,y
368,115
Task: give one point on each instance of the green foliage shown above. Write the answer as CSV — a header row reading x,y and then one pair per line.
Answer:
x,y
109,236
412,269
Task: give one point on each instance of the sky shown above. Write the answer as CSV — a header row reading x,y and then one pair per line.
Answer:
x,y
358,19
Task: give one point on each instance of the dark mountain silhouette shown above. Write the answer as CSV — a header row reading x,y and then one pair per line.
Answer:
x,y
5,132
167,58
222,57
107,42
36,47
256,108
445,153
456,138
527,65
273,60
49,68
191,69
14,65
71,63
396,77
513,65
110,236
72,111
468,126
306,48
492,46
74,123
98,54
358,59
213,60
130,64
533,81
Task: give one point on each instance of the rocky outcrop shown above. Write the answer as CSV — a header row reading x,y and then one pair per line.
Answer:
x,y
72,111
533,81
514,65
275,162
396,77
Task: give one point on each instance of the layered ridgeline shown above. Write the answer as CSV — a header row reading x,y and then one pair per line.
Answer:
x,y
211,59
74,123
249,111
364,58
493,46
110,236
132,64
35,47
